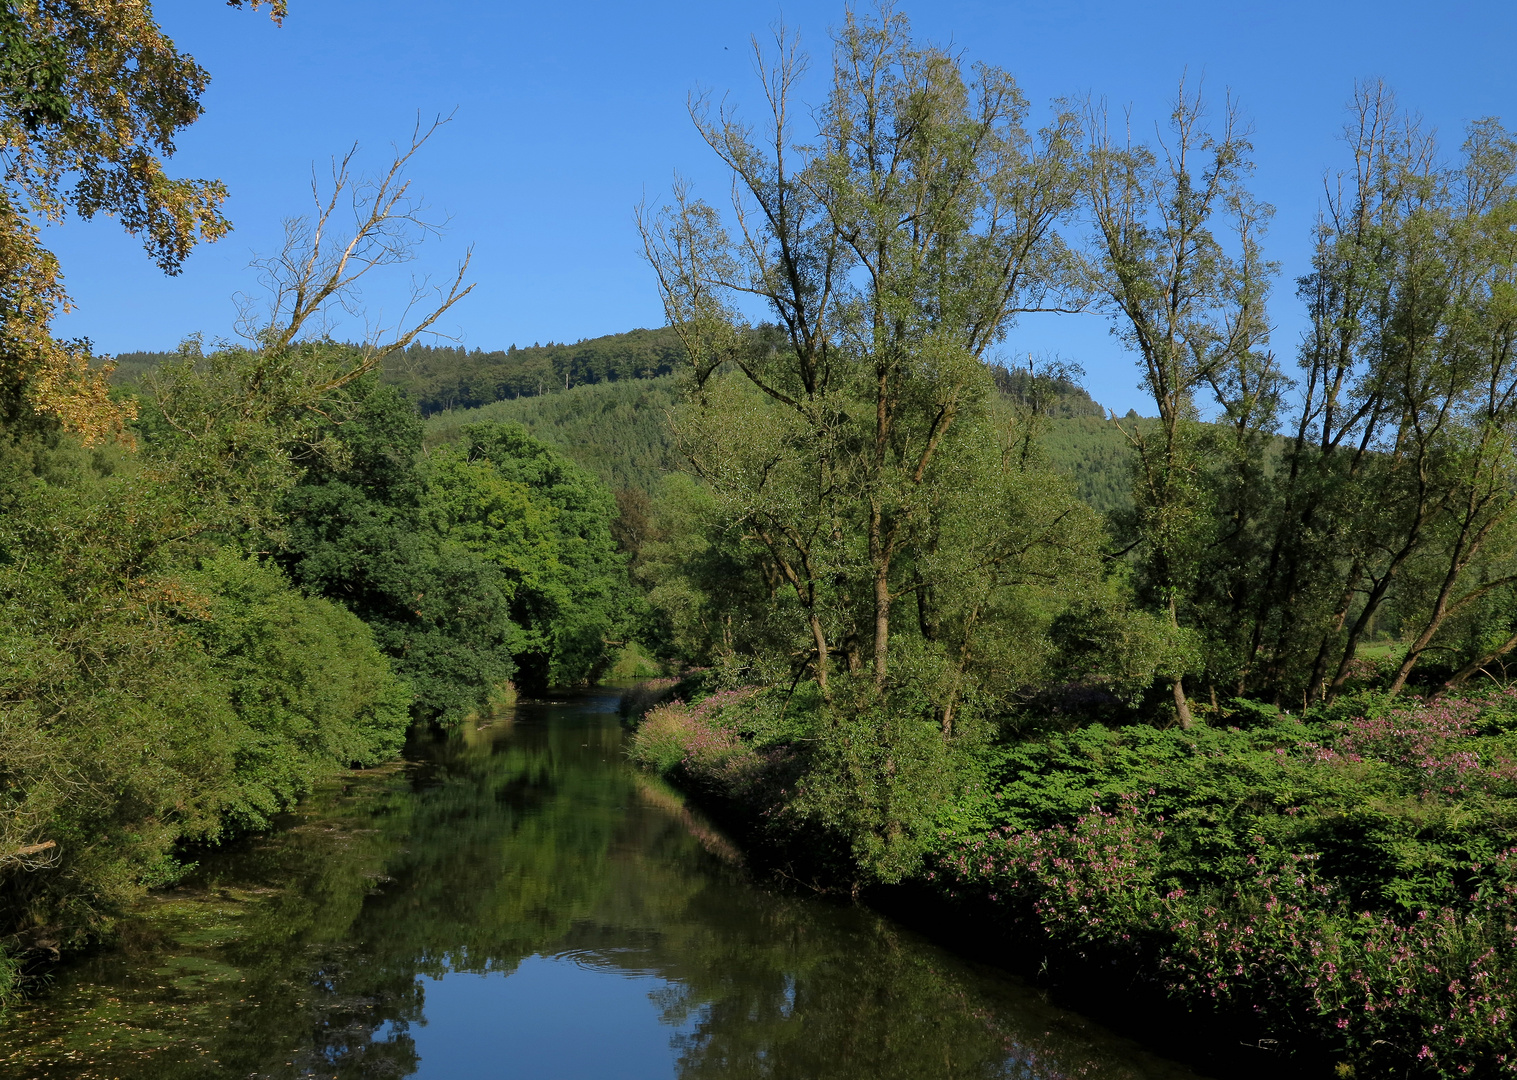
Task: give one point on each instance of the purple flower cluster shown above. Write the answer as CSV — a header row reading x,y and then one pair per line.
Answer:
x,y
693,738
1432,994
1427,741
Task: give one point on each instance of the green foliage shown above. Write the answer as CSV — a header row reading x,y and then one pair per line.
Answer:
x,y
617,430
558,550
1097,456
479,562
309,687
879,776
359,532
154,691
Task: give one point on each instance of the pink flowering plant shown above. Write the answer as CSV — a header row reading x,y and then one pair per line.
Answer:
x,y
1349,880
678,738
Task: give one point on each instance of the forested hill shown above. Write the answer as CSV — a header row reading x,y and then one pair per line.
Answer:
x,y
620,431
439,378
445,377
612,415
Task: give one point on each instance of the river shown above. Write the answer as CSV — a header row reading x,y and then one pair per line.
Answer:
x,y
519,901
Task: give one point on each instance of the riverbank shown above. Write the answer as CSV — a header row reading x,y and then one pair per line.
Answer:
x,y
1335,890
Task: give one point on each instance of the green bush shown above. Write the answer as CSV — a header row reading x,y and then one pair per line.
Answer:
x,y
308,686
150,696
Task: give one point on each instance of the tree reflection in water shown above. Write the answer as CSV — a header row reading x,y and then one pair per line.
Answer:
x,y
299,953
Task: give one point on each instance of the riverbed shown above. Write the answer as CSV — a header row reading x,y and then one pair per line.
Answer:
x,y
517,900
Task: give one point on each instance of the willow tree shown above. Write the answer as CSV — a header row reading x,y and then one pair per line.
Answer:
x,y
1400,489
891,247
1175,259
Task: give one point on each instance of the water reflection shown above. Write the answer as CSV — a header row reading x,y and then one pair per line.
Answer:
x,y
520,902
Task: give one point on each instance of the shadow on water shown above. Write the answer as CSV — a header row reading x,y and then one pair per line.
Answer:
x,y
517,901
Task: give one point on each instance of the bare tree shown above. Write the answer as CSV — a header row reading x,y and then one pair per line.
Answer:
x,y
246,418
322,265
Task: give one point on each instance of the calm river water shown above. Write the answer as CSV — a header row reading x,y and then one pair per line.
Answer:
x,y
518,901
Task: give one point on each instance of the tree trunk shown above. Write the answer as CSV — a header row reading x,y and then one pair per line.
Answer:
x,y
1182,706
819,639
1372,604
879,559
1475,665
1442,609
1435,620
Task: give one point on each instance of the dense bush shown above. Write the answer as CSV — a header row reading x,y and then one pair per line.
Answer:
x,y
305,679
153,692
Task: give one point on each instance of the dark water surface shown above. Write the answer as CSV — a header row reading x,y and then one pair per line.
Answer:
x,y
520,902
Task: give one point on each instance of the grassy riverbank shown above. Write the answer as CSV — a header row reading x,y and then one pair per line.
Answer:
x,y
1345,880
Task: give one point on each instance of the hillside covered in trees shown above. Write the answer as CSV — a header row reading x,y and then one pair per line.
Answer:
x,y
614,417
439,377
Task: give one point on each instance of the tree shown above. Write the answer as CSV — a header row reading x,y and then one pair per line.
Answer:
x,y
1191,310
91,97
892,250
240,423
566,574
1398,492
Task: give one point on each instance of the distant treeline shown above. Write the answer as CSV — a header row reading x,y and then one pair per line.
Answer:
x,y
1059,396
621,432
439,377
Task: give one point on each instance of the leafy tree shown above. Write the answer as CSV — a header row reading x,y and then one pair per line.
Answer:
x,y
356,531
876,516
308,685
484,561
1194,314
562,560
91,97
892,254
166,686
155,692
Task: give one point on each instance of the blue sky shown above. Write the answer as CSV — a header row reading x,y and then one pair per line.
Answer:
x,y
566,114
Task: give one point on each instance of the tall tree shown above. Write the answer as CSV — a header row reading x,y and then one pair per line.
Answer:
x,y
1190,307
892,249
1402,463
